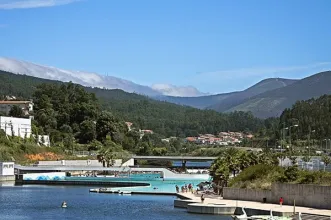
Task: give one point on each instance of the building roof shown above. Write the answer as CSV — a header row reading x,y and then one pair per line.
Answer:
x,y
14,102
191,138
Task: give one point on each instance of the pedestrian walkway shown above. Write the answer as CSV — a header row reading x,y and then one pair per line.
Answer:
x,y
213,199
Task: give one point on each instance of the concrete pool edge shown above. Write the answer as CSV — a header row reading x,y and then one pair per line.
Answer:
x,y
84,183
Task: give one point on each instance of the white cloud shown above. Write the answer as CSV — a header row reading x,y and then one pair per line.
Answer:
x,y
265,71
182,91
21,4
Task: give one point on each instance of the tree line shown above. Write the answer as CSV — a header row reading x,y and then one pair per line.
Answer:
x,y
163,118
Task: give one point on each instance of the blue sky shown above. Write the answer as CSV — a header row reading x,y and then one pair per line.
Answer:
x,y
216,46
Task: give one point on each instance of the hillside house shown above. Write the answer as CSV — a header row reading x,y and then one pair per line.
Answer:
x,y
44,140
19,127
26,106
168,139
143,132
129,124
147,131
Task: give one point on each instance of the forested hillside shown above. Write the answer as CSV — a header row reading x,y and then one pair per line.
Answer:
x,y
313,117
272,103
164,118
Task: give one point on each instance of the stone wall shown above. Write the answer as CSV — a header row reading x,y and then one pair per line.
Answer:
x,y
7,178
304,195
246,194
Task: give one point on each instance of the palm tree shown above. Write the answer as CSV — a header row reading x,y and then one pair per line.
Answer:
x,y
244,160
220,172
326,160
101,158
107,156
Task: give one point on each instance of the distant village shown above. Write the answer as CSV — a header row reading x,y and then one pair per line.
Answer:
x,y
223,138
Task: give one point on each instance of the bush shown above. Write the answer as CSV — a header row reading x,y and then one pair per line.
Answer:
x,y
257,177
262,177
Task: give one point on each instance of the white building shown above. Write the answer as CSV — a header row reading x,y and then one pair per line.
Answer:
x,y
26,106
19,127
6,168
43,140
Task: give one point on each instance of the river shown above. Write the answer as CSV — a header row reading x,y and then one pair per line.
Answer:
x,y
43,202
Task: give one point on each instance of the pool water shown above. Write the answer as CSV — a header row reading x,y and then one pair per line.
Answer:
x,y
157,184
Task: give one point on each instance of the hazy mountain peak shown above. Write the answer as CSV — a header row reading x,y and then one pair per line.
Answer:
x,y
179,91
92,79
81,77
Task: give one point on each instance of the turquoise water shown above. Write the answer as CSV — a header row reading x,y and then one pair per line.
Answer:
x,y
157,184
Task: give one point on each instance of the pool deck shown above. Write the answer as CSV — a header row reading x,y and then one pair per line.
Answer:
x,y
213,200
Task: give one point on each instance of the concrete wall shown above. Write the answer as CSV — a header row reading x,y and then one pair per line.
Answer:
x,y
6,179
313,196
128,163
246,194
6,168
92,163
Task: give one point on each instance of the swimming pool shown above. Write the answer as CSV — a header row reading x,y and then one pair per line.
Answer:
x,y
157,184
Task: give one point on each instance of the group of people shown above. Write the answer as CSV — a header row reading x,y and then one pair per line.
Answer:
x,y
186,188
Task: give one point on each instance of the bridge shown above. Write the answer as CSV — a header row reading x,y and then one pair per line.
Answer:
x,y
183,159
158,158
135,158
174,158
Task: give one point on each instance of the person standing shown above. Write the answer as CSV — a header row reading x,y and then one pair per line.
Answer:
x,y
202,198
281,200
177,188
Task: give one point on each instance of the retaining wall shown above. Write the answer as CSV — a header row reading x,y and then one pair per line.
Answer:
x,y
305,195
7,178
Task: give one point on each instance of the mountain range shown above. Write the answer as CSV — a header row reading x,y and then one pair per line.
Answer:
x,y
93,79
267,98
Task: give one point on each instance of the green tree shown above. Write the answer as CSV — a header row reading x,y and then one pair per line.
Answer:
x,y
159,151
326,160
107,124
16,111
87,131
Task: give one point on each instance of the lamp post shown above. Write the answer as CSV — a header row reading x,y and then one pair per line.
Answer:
x,y
289,128
326,143
313,131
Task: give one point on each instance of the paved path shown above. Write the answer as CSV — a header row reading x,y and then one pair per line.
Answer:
x,y
256,205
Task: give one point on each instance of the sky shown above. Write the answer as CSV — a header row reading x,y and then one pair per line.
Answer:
x,y
216,46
